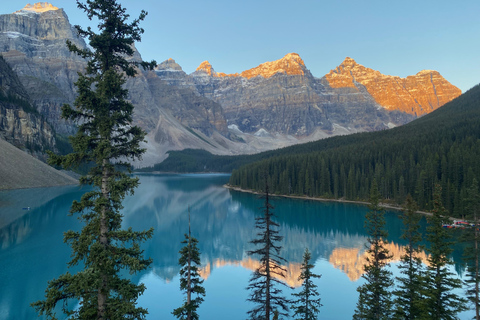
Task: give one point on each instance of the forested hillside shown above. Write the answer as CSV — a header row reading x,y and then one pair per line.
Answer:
x,y
442,147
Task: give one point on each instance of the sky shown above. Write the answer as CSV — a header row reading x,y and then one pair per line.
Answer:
x,y
398,38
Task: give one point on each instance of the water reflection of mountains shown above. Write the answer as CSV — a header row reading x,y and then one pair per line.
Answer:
x,y
32,251
223,222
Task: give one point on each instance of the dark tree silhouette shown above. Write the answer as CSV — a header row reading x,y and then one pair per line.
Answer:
x,y
105,139
472,250
307,305
265,281
440,302
190,281
408,302
374,300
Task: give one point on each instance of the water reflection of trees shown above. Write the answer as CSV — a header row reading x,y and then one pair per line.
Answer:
x,y
32,251
223,222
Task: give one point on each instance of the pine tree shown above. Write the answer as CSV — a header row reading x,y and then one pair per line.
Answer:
x,y
374,300
408,302
440,301
264,282
105,139
472,250
307,305
190,281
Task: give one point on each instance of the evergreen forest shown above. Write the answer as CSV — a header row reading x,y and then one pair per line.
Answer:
x,y
442,147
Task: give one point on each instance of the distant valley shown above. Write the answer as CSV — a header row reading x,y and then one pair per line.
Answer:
x,y
273,105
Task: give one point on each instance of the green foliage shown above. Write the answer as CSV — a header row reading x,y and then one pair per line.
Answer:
x,y
197,160
307,305
264,282
471,236
442,147
63,145
440,302
408,302
105,138
190,281
374,300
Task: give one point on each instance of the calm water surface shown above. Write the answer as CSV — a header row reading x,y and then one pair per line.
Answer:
x,y
32,251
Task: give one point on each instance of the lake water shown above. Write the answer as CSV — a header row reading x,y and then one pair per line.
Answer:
x,y
32,251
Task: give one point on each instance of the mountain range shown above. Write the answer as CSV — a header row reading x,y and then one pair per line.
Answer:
x,y
273,105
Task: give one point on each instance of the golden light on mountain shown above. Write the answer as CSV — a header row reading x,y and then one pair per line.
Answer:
x,y
206,67
38,7
291,277
290,64
352,260
419,94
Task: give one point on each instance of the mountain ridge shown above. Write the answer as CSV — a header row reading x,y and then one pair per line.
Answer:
x,y
416,94
273,105
290,64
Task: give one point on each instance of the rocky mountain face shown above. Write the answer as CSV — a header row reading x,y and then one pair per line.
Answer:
x,y
20,123
32,41
416,95
283,98
273,105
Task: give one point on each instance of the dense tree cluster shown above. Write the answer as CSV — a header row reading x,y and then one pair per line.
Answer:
x,y
442,147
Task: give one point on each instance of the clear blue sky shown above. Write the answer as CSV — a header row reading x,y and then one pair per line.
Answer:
x,y
394,37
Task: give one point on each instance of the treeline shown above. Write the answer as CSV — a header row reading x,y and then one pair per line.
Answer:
x,y
198,160
442,147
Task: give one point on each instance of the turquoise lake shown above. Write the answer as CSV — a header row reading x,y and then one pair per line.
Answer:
x,y
32,251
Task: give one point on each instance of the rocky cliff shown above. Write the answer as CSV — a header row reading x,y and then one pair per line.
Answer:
x,y
33,42
283,98
417,95
20,123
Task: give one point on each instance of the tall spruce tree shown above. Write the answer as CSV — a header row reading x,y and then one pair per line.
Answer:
x,y
440,302
190,281
408,302
374,301
264,283
307,305
472,249
106,140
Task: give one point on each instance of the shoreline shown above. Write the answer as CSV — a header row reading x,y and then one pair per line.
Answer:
x,y
383,205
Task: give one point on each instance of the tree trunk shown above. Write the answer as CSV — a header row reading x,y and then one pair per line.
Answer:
x,y
103,290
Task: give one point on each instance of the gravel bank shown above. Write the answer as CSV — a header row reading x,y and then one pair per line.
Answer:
x,y
20,170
